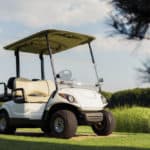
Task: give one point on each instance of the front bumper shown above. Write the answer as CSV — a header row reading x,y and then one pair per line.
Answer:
x,y
86,118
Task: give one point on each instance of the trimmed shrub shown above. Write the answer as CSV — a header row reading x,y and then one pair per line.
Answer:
x,y
107,95
134,97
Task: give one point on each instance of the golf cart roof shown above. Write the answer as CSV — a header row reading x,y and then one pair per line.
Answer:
x,y
59,41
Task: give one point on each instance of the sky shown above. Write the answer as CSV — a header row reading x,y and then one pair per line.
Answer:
x,y
116,58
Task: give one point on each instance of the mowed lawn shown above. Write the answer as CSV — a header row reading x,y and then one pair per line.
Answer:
x,y
85,139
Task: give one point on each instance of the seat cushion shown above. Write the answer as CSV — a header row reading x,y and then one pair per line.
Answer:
x,y
35,91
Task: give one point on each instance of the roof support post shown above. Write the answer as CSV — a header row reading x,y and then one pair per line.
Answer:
x,y
17,63
51,61
42,66
95,67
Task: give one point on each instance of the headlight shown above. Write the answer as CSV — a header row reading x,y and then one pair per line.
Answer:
x,y
68,97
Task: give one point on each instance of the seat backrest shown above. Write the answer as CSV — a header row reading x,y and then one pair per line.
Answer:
x,y
35,91
10,82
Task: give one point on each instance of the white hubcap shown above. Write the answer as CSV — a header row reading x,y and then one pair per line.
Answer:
x,y
2,124
59,125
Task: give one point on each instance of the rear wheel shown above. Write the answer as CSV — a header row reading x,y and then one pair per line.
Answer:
x,y
4,124
63,124
106,126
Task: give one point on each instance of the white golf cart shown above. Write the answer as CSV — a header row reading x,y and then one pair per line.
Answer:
x,y
59,106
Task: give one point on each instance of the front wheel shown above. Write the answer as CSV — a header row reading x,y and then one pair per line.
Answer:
x,y
106,126
4,124
63,124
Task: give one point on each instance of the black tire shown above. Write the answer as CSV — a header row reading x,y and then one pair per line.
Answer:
x,y
5,127
105,127
63,124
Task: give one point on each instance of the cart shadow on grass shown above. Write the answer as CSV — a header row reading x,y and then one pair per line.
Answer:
x,y
38,134
10,144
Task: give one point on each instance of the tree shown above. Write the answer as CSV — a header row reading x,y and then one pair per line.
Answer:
x,y
132,18
144,72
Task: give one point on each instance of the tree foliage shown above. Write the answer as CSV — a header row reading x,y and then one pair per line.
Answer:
x,y
144,72
132,18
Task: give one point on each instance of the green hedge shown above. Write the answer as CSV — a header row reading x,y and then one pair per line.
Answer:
x,y
107,95
133,97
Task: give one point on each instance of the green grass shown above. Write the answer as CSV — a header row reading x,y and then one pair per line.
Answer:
x,y
135,119
84,140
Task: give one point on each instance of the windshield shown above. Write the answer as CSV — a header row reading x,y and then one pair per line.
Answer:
x,y
65,79
83,69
